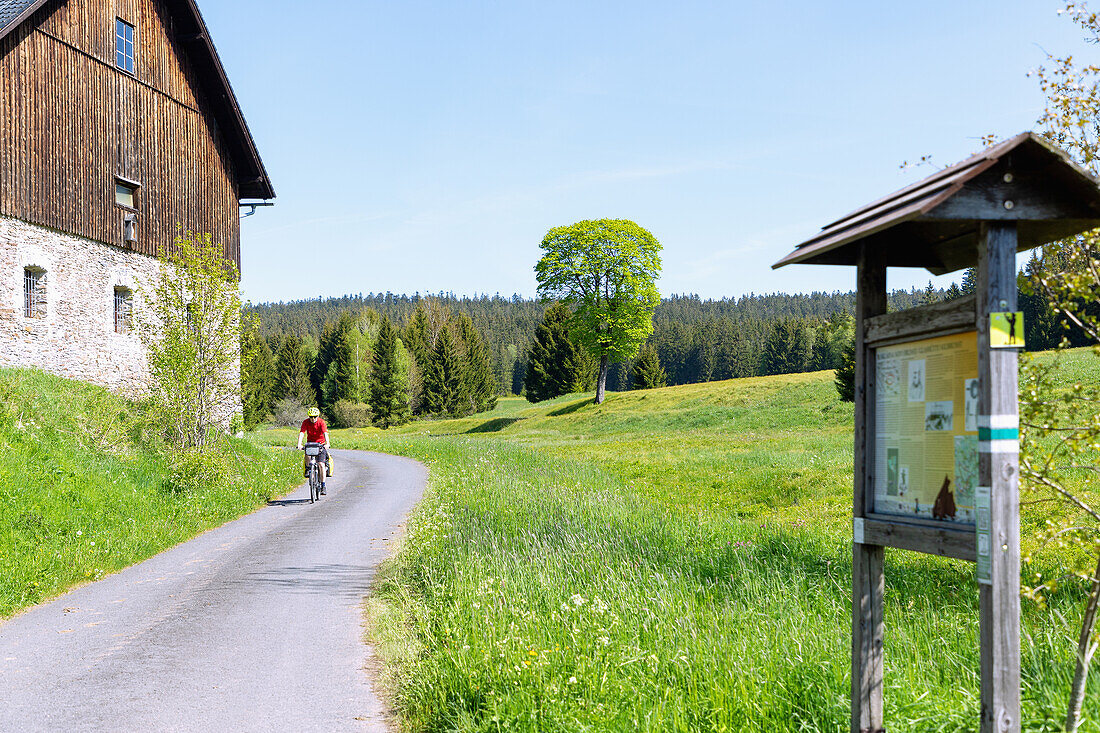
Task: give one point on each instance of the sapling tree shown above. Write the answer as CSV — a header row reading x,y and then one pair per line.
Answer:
x,y
606,272
1060,442
1060,422
190,330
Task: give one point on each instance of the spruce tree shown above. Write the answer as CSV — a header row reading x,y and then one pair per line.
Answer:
x,y
337,354
344,364
648,372
444,386
326,347
389,390
480,385
970,281
846,373
417,336
787,348
258,377
555,365
292,372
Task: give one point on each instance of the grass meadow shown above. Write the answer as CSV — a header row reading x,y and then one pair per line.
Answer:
x,y
82,494
676,559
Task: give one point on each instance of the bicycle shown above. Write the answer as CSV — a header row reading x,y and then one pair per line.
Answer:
x,y
316,470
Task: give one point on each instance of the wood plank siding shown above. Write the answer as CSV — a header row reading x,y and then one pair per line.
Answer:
x,y
71,122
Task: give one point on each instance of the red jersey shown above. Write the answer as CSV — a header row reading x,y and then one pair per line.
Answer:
x,y
315,431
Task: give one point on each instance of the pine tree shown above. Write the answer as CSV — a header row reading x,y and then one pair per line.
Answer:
x,y
389,389
292,372
648,372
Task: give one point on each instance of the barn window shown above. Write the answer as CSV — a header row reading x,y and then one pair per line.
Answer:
x,y
126,193
124,305
34,292
124,45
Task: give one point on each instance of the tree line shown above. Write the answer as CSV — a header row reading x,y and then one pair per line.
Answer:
x,y
693,340
364,367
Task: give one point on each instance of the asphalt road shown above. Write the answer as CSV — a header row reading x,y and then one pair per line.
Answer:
x,y
254,626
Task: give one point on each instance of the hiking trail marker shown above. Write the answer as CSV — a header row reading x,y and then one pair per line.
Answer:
x,y
936,411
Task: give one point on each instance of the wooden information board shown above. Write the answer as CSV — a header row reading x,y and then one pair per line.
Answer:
x,y
926,429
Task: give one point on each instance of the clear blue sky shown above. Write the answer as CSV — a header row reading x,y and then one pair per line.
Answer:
x,y
427,146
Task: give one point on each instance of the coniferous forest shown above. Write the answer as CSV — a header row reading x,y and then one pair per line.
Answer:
x,y
451,355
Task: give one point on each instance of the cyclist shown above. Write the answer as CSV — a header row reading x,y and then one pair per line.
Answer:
x,y
314,430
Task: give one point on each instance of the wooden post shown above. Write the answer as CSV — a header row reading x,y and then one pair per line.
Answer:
x,y
998,469
868,583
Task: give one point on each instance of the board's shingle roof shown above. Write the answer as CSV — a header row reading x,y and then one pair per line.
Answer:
x,y
914,228
12,9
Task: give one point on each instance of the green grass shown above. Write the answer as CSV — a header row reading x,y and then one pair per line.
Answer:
x,y
676,559
82,494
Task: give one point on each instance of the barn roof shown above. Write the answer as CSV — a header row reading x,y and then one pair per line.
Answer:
x,y
193,35
934,223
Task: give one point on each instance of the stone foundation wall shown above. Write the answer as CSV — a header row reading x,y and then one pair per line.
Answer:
x,y
75,336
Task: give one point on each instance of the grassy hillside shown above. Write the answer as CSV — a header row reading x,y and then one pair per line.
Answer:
x,y
676,559
83,493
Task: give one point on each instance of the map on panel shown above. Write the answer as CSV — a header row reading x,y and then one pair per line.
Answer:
x,y
926,428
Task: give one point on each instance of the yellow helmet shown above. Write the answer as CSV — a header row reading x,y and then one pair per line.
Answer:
x,y
314,412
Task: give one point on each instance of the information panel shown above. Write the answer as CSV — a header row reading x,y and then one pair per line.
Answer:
x,y
926,428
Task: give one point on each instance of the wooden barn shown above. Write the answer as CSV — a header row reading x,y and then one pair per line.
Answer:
x,y
117,126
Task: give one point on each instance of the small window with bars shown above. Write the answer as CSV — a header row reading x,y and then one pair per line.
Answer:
x,y
124,306
34,292
124,46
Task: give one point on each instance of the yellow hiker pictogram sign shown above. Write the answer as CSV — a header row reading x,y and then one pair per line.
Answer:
x,y
1006,330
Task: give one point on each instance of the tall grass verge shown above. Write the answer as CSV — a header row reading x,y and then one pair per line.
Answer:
x,y
85,492
676,559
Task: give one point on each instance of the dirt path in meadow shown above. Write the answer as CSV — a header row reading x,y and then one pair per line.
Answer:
x,y
254,626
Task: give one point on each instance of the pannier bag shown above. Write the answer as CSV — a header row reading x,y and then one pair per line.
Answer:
x,y
313,450
329,466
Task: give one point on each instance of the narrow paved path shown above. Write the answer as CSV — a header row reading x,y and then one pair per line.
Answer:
x,y
254,626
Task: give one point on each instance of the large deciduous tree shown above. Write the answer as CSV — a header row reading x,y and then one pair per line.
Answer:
x,y
606,272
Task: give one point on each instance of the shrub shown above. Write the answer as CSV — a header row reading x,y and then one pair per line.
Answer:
x,y
289,413
196,470
348,414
